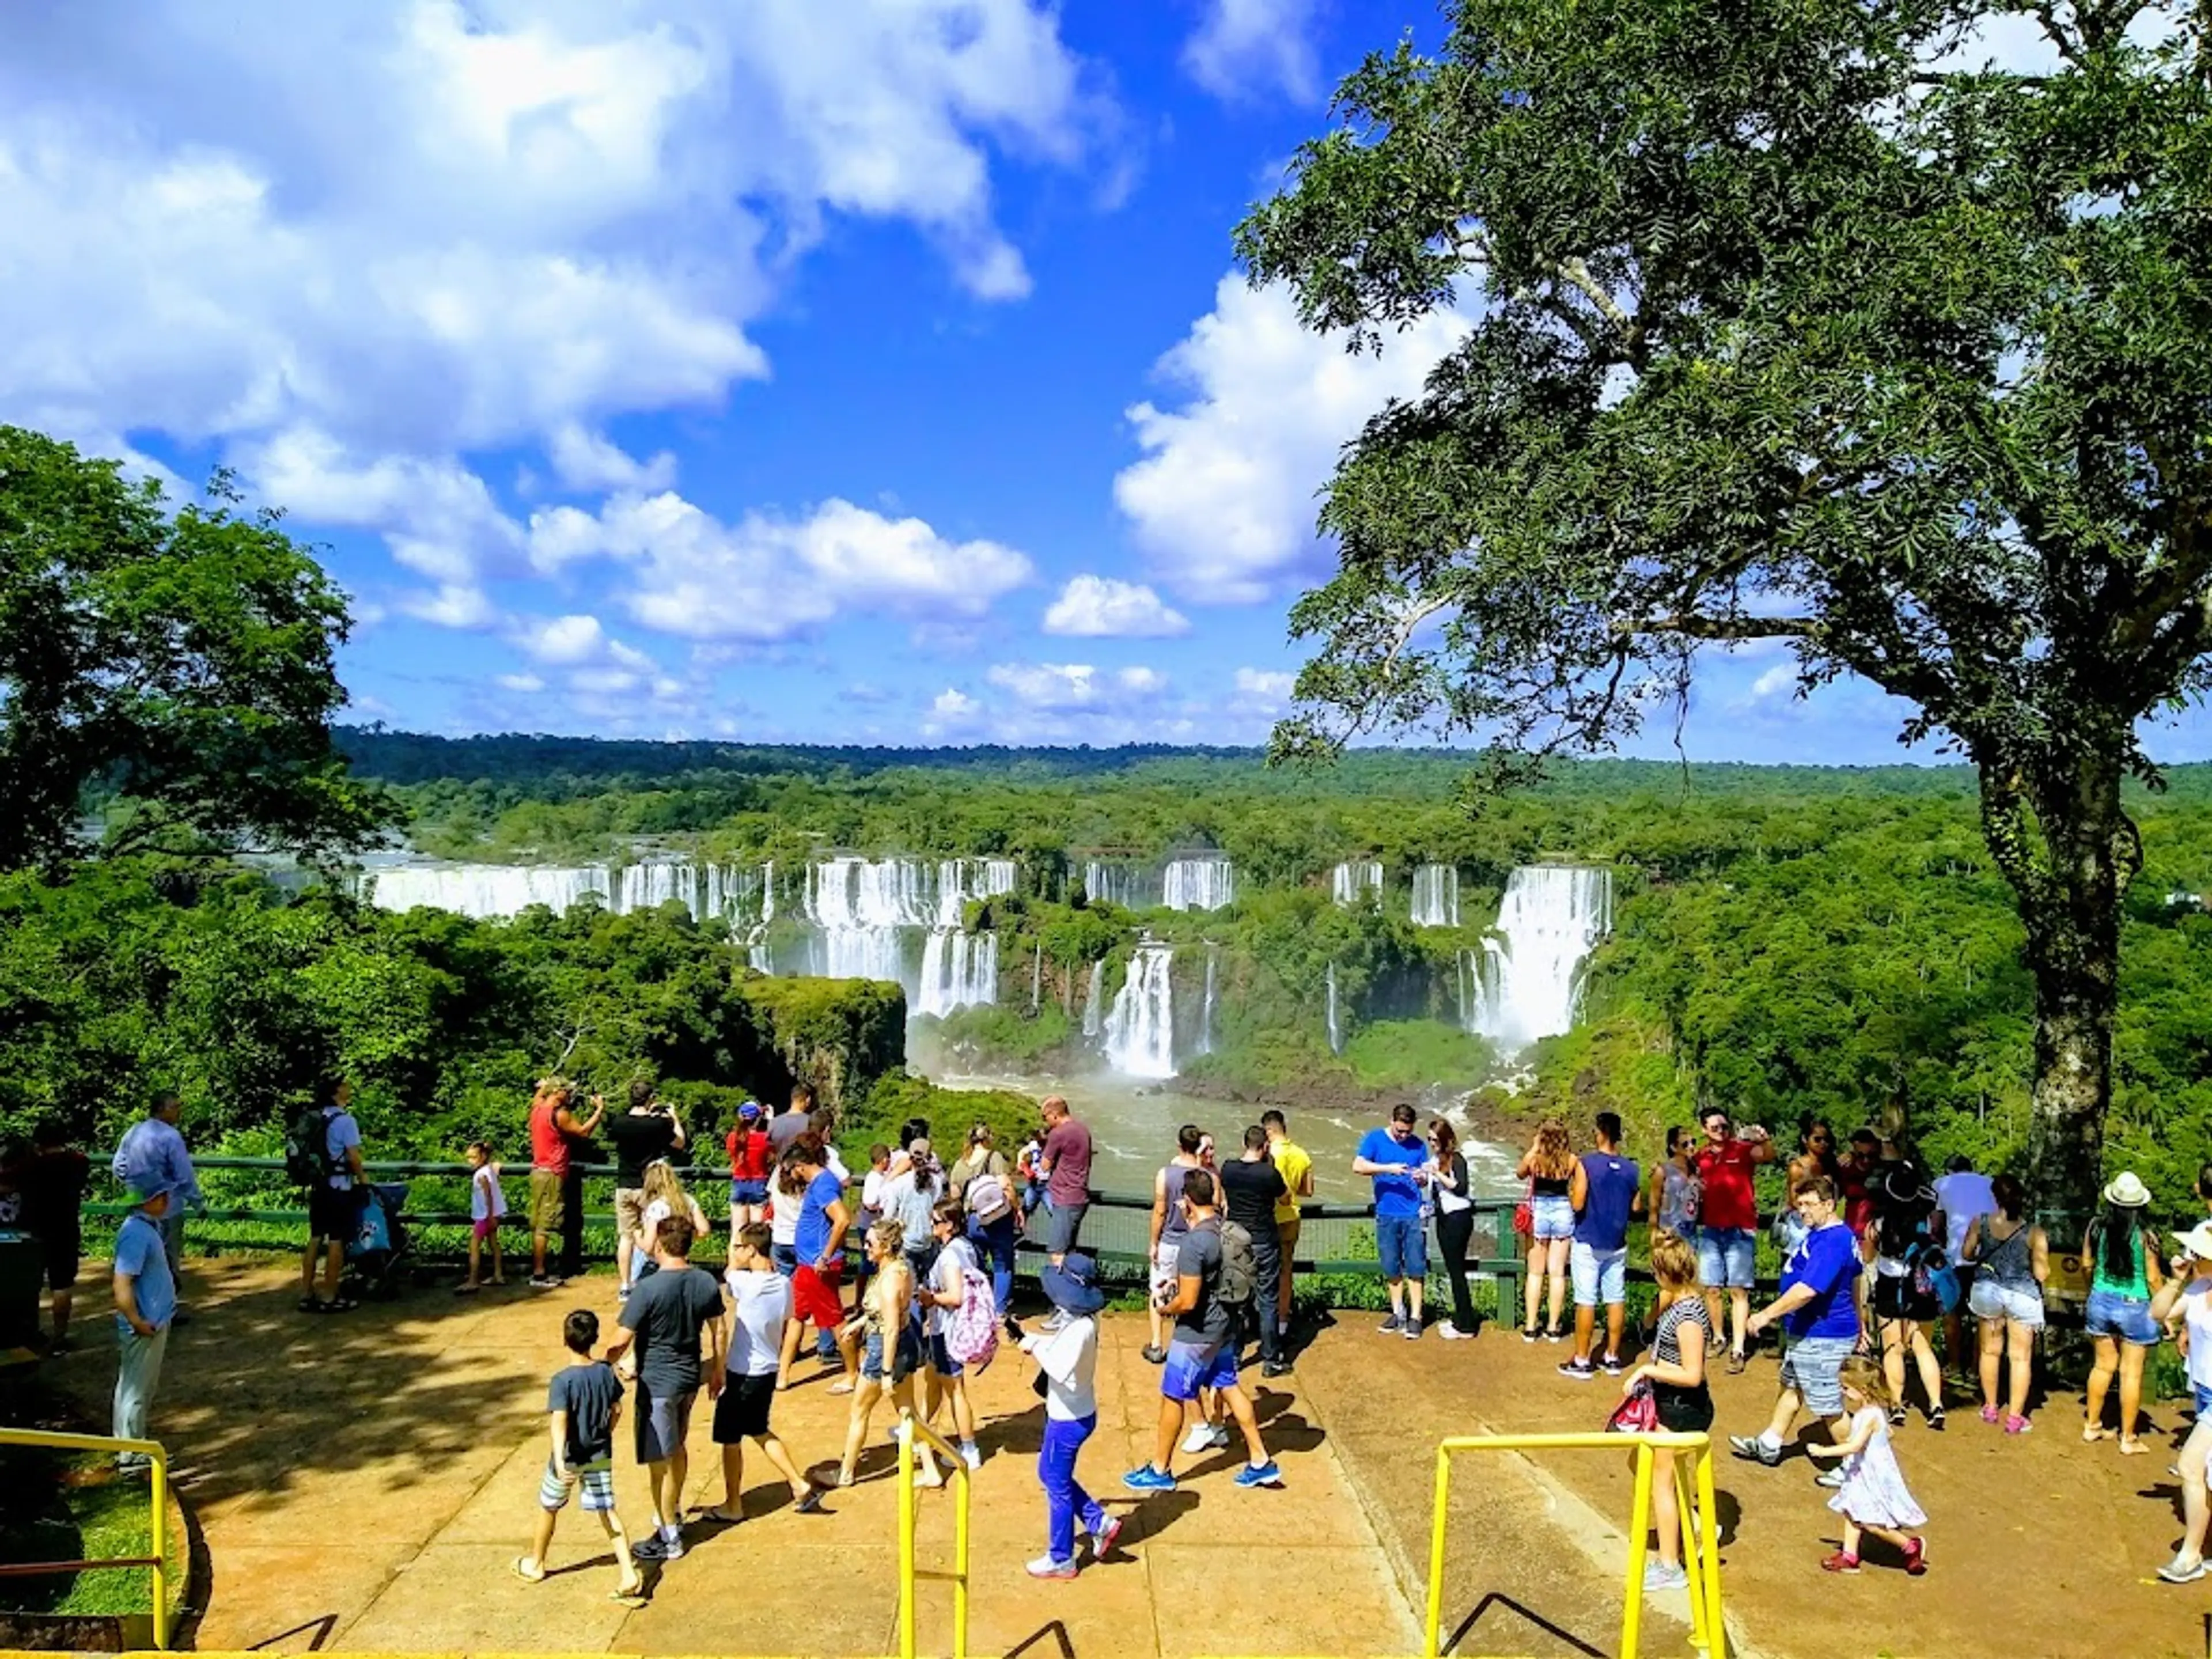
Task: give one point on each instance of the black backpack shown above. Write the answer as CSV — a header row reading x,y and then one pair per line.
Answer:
x,y
308,1149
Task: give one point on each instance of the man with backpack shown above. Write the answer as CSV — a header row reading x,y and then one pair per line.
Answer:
x,y
1251,1186
983,1183
322,1152
1216,1279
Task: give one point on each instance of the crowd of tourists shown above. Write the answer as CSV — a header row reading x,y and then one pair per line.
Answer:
x,y
904,1276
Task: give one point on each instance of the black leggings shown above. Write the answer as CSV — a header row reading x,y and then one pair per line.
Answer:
x,y
1455,1232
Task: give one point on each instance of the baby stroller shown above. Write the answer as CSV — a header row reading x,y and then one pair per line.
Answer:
x,y
378,1255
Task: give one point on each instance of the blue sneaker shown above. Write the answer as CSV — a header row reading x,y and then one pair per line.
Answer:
x,y
1260,1475
1149,1479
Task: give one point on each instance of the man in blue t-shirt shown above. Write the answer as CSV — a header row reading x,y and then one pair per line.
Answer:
x,y
1818,1310
145,1303
1607,1189
1398,1160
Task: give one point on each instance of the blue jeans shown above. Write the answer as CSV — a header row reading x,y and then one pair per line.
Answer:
x,y
1064,1497
1267,1270
995,1243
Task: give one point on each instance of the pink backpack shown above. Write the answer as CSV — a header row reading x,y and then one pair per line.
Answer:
x,y
971,1332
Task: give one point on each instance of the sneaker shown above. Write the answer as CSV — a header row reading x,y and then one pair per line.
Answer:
x,y
1613,1365
1391,1326
543,1282
1840,1561
1045,1567
1658,1576
1275,1368
1991,1414
2183,1570
1897,1415
1529,1333
971,1454
1155,1354
1577,1370
1451,1333
1936,1419
1736,1362
1832,1479
1260,1475
1102,1540
2020,1425
1148,1478
649,1549
1199,1439
1218,1436
1555,1335
1916,1559
1411,1330
1752,1447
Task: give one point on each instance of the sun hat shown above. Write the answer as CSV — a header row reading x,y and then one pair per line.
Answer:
x,y
146,1191
1071,1287
2127,1192
751,1109
2196,1242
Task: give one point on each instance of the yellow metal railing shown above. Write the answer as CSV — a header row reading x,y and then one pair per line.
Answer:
x,y
158,1493
910,1429
1701,1533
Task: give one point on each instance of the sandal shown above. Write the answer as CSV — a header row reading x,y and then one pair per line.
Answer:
x,y
343,1304
843,1387
467,1289
311,1304
523,1570
2131,1446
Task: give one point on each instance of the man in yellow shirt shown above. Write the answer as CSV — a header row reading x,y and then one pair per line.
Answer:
x,y
1297,1170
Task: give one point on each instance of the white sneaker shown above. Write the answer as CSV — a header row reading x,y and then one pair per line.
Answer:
x,y
1451,1333
971,1454
1201,1438
928,1475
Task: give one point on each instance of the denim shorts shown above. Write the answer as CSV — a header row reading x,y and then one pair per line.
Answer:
x,y
1988,1300
1402,1242
2122,1317
1599,1276
748,1192
905,1356
1554,1216
1814,1366
1726,1256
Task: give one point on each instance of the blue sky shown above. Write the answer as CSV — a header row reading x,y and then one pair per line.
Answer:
x,y
686,368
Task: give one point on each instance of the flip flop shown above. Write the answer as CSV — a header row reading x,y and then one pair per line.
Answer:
x,y
522,1561
841,1387
465,1289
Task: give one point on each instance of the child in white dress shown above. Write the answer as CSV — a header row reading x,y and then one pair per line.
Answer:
x,y
1873,1497
487,1206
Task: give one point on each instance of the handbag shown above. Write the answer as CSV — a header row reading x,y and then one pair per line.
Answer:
x,y
1524,1213
1638,1411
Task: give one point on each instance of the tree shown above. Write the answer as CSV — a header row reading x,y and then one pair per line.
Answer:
x,y
174,667
1789,321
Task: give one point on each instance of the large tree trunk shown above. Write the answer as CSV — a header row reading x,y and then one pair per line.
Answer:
x,y
2060,834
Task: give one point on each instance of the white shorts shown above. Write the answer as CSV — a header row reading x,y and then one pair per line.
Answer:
x,y
1988,1301
1164,1270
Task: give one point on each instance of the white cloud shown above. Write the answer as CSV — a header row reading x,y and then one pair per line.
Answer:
x,y
1054,685
528,684
1099,607
1224,501
586,461
348,247
562,639
952,711
766,577
1258,682
1243,48
450,604
1780,680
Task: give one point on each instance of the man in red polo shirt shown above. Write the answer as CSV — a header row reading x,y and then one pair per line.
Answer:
x,y
1727,1220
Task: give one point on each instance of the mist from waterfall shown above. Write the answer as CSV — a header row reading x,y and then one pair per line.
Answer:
x,y
1140,1030
1350,882
1436,895
1335,1033
1094,1013
1526,981
1205,1015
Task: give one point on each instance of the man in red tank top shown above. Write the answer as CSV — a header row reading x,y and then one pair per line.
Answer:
x,y
551,1125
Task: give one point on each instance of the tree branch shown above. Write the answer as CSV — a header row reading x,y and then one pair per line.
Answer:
x,y
1692,625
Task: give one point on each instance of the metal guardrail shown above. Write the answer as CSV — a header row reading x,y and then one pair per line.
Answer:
x,y
1701,1535
159,1528
910,1428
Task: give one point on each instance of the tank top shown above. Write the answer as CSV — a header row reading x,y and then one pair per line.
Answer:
x,y
549,1147
2008,1263
2135,1288
1177,1222
1551,1186
1678,1198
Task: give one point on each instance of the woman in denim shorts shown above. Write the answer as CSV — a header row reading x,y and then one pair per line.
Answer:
x,y
2189,1296
2014,1257
2124,1276
1549,1169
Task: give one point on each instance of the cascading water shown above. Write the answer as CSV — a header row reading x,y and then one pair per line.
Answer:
x,y
867,910
1352,882
1140,1030
958,969
1336,1035
1436,896
736,894
1198,884
1528,982
1094,1014
1205,1017
1111,884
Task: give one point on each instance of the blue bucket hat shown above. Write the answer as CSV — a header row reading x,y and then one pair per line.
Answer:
x,y
751,1109
1073,1287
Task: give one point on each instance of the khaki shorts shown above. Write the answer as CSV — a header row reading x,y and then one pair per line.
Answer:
x,y
549,1206
629,1210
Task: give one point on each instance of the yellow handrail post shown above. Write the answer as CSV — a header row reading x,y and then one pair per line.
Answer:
x,y
906,1543
960,1563
910,1429
1436,1554
1707,1583
1692,1562
159,1486
1639,1526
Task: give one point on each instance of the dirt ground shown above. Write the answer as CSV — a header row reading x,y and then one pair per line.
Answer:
x,y
364,1482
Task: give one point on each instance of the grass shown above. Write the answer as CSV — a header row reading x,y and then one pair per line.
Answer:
x,y
60,1506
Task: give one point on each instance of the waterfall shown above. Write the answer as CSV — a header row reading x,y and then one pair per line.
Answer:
x,y
1336,1035
1198,884
759,955
958,969
1094,1017
1140,1030
1528,982
1352,882
1037,979
867,908
1205,1019
1436,896
1110,883
739,895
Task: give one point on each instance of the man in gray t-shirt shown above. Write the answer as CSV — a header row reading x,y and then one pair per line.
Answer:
x,y
1203,1356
